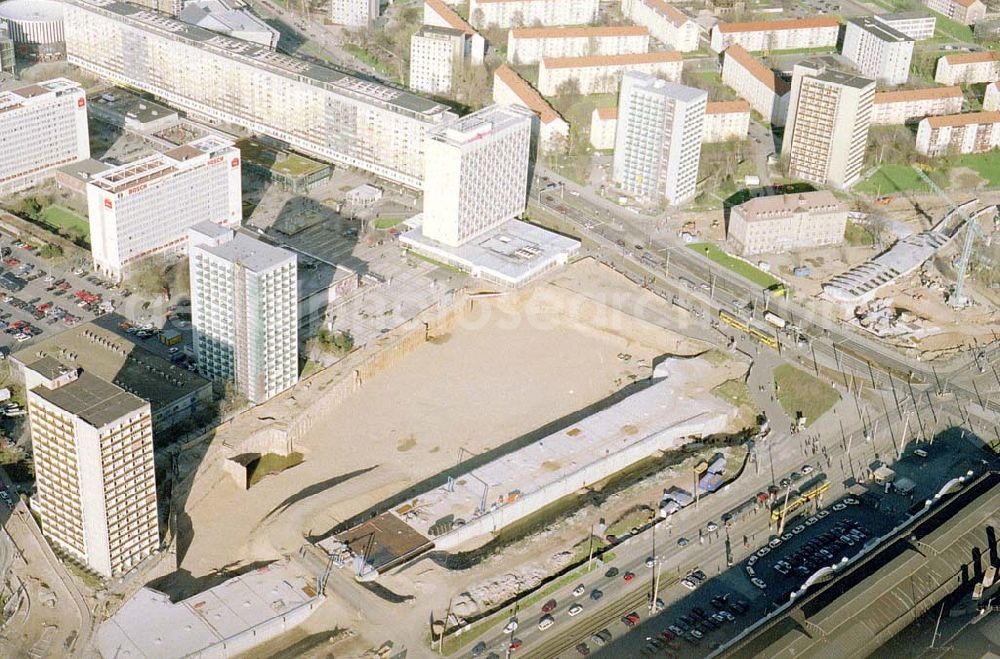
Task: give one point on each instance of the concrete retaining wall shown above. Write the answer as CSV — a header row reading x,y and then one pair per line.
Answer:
x,y
262,633
702,424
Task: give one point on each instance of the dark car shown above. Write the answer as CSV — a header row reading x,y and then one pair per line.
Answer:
x,y
612,572
631,619
595,594
549,606
583,649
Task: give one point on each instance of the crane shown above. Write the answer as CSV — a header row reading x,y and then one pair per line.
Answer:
x,y
957,298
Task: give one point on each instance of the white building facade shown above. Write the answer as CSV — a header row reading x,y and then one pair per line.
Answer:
x,y
436,53
244,311
603,124
991,98
725,121
438,14
95,481
878,51
904,106
603,74
758,85
550,132
42,127
519,13
477,169
817,32
667,24
354,13
778,223
919,26
145,207
968,68
530,45
972,132
966,12
658,138
332,115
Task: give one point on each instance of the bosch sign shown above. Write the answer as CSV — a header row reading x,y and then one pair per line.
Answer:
x,y
216,160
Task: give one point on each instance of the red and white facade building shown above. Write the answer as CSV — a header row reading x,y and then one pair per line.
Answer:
x,y
145,207
904,106
971,132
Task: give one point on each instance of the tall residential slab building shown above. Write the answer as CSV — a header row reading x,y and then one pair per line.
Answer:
x,y
354,13
829,113
335,116
477,173
878,50
244,310
42,127
146,207
436,54
658,138
94,473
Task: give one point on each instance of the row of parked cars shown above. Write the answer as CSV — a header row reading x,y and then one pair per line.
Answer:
x,y
823,550
693,626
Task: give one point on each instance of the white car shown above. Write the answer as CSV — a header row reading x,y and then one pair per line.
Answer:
x,y
798,529
579,590
510,626
839,506
650,562
687,583
576,608
712,526
823,513
851,501
806,469
757,581
545,622
774,543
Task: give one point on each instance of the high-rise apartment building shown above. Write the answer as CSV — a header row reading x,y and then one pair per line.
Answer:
x,y
436,53
94,473
146,207
6,50
479,166
171,7
244,310
354,13
336,116
877,50
829,113
658,138
43,126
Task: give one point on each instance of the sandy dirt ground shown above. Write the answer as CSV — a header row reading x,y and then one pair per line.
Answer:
x,y
508,367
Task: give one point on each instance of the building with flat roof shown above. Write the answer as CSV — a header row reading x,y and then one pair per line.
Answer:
x,y
917,25
134,211
338,117
225,17
95,482
757,84
102,349
234,617
991,97
480,168
438,14
354,13
767,36
596,74
603,124
244,311
726,120
877,50
436,54
530,45
658,138
780,223
518,13
971,132
829,113
968,68
667,24
550,132
908,105
966,12
124,109
36,28
44,126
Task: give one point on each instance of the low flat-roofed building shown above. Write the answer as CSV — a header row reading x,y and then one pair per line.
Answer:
x,y
74,176
780,223
550,132
788,34
991,98
530,45
603,123
101,348
292,171
726,120
968,68
756,83
229,619
124,109
227,18
971,132
597,74
900,107
667,24
917,25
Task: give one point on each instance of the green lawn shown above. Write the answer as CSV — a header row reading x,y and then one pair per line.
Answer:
x,y
891,179
857,235
986,165
65,219
799,391
740,267
272,463
387,222
951,30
